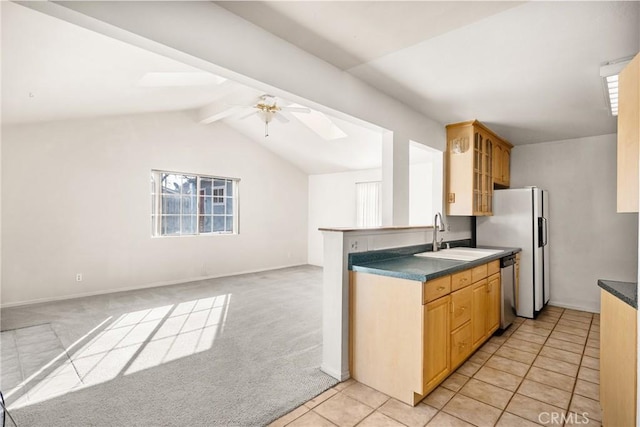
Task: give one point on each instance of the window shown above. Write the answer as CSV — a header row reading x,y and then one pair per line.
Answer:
x,y
187,204
368,204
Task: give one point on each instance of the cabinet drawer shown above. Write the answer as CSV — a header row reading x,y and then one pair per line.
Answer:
x,y
436,288
478,273
493,267
461,307
460,344
460,280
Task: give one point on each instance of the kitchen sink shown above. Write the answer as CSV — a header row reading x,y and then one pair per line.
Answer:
x,y
460,254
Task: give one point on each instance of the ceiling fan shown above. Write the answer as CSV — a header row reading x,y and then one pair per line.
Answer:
x,y
267,109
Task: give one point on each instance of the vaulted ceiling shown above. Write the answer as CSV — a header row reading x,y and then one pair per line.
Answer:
x,y
529,70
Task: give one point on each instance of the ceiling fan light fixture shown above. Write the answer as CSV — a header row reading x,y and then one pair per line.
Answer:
x,y
266,115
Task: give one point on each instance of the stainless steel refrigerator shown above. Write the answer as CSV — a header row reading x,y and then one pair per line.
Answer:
x,y
521,219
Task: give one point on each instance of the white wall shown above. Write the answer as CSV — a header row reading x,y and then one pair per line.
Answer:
x,y
332,203
76,200
588,239
421,188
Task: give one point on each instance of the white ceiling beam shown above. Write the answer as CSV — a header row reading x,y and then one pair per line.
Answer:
x,y
216,111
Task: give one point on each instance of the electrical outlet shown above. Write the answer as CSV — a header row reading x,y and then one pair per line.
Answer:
x,y
79,277
451,198
354,245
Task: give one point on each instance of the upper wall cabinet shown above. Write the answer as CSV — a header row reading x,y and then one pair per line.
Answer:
x,y
501,163
477,159
628,135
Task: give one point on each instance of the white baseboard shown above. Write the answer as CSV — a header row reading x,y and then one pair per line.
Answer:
x,y
135,288
590,309
340,376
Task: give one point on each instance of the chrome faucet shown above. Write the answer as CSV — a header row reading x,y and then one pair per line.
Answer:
x,y
436,228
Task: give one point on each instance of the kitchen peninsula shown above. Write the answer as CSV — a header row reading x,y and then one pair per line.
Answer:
x,y
416,316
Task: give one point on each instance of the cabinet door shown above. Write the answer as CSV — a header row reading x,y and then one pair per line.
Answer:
x,y
460,344
487,176
493,303
618,354
436,342
478,312
506,165
460,307
628,136
478,142
498,174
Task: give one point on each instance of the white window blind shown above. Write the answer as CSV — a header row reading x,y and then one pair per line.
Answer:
x,y
369,204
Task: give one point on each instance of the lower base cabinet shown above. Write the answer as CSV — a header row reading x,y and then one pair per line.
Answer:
x,y
436,342
618,358
406,337
460,345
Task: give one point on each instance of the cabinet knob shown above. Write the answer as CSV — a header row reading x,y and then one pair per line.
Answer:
x,y
440,288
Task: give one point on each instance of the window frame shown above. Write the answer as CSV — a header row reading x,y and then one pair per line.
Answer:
x,y
156,201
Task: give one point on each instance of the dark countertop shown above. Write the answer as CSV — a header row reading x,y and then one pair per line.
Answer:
x,y
625,291
422,269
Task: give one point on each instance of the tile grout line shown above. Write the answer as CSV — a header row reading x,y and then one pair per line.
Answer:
x,y
483,364
502,411
530,366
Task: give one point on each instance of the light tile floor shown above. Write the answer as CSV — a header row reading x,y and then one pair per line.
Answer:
x,y
539,372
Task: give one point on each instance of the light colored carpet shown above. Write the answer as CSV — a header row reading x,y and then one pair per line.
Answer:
x,y
237,351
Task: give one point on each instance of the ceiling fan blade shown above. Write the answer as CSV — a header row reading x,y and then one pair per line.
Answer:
x,y
296,109
238,105
282,118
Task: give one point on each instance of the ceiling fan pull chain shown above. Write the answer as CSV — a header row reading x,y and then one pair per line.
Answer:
x,y
266,129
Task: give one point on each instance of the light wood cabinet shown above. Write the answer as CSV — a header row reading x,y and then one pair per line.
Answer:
x,y
628,135
406,336
461,307
493,304
485,309
501,163
460,280
618,358
474,167
436,342
479,313
506,168
460,345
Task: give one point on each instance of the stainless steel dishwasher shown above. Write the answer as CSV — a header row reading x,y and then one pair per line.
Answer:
x,y
508,295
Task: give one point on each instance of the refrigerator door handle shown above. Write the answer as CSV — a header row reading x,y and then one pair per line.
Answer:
x,y
545,242
541,237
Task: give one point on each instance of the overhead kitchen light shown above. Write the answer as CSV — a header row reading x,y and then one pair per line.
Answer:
x,y
609,73
180,78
